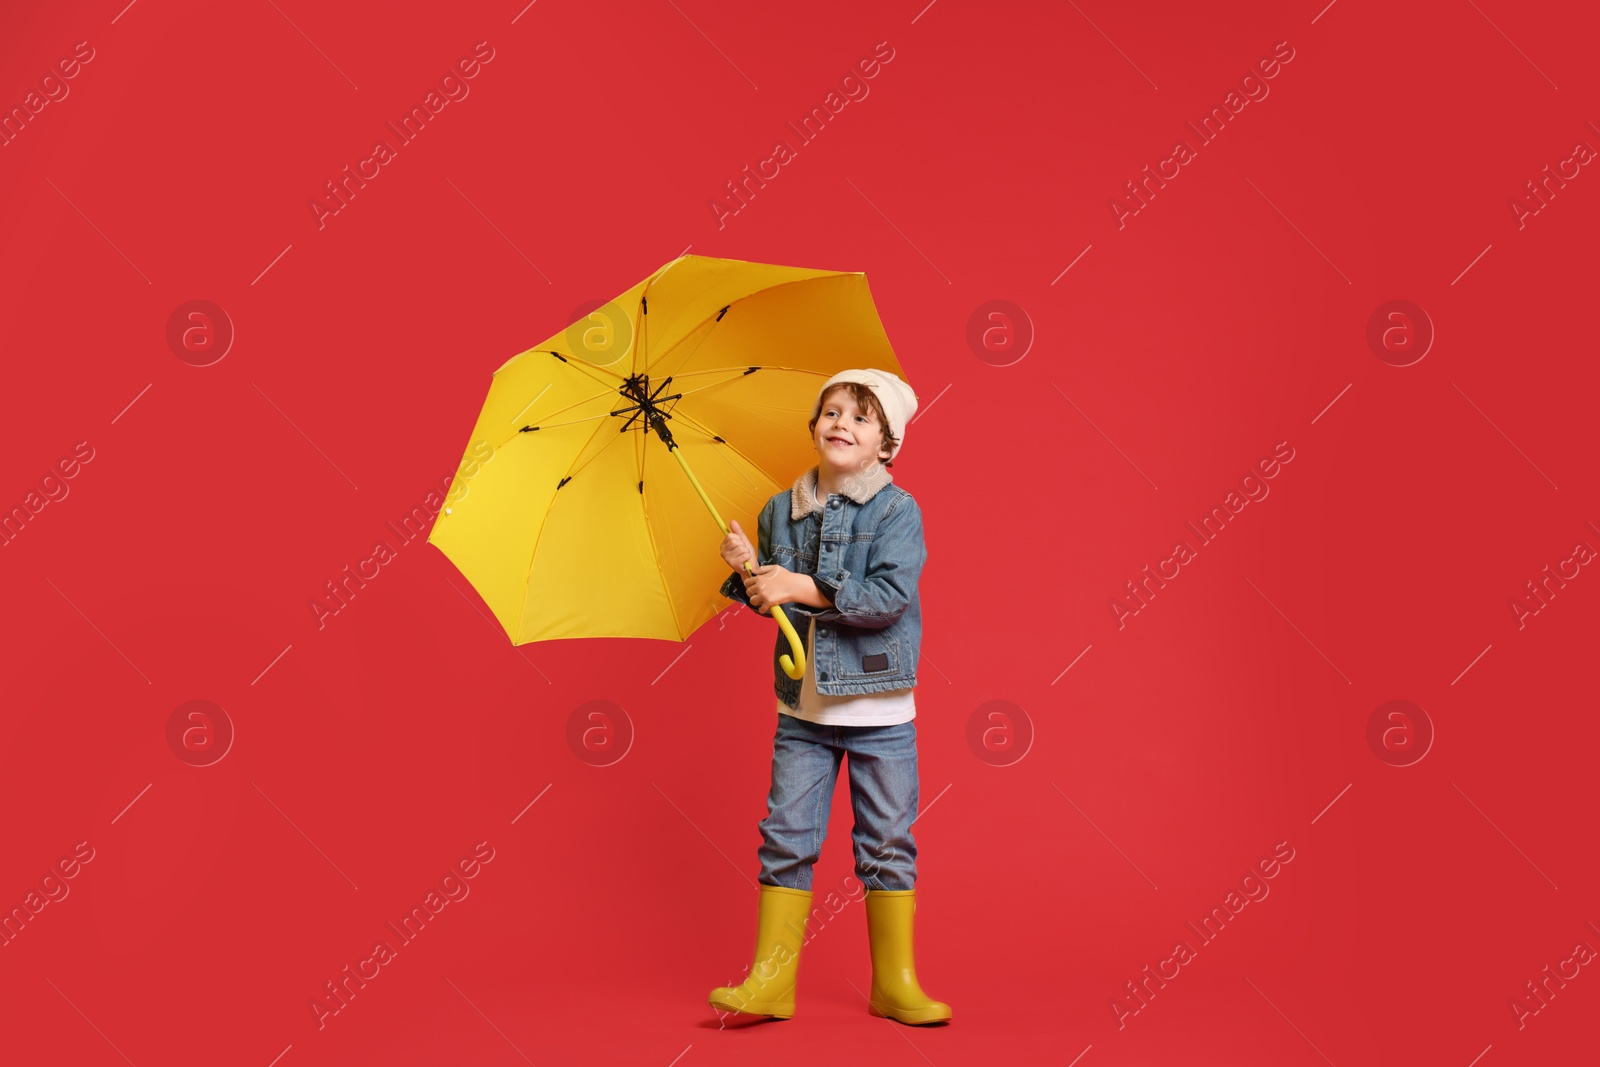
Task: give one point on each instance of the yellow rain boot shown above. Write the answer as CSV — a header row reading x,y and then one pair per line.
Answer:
x,y
780,933
895,992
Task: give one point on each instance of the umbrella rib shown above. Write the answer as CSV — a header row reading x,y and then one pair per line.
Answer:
x,y
574,471
644,299
578,403
739,372
713,370
552,425
729,305
735,373
746,367
569,407
582,367
709,433
694,424
698,330
754,409
534,552
718,453
644,510
649,365
641,326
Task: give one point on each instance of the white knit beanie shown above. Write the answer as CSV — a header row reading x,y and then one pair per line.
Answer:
x,y
899,402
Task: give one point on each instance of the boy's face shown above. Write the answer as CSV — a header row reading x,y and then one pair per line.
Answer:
x,y
848,438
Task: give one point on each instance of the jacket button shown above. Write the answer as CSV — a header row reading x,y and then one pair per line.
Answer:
x,y
823,676
833,504
822,632
827,548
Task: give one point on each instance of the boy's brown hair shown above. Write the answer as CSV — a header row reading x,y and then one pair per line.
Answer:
x,y
867,401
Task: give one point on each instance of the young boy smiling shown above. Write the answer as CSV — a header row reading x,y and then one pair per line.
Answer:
x,y
848,436
844,548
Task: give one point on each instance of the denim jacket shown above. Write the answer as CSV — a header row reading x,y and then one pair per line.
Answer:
x,y
864,549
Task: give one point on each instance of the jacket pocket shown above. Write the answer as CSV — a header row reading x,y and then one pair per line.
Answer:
x,y
872,654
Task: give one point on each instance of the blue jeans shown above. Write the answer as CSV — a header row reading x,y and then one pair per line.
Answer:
x,y
883,796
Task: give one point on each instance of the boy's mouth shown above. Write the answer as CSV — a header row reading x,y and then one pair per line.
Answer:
x,y
838,441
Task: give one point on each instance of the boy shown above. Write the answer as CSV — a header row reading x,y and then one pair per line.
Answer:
x,y
843,549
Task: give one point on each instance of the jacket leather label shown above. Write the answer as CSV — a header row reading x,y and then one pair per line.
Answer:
x,y
878,661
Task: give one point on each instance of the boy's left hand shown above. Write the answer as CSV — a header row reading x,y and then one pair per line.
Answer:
x,y
769,585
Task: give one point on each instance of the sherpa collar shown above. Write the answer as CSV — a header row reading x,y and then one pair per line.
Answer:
x,y
858,487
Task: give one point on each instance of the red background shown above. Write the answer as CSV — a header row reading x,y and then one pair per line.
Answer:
x,y
1230,714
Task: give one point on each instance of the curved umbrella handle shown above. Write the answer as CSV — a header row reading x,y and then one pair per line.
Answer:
x,y
794,665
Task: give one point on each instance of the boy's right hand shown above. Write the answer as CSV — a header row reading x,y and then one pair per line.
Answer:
x,y
736,548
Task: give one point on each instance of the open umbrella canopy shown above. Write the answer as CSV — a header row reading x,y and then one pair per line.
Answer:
x,y
569,515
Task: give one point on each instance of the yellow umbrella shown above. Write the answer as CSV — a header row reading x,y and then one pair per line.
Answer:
x,y
566,514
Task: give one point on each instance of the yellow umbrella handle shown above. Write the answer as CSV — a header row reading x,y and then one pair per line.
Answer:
x,y
794,666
